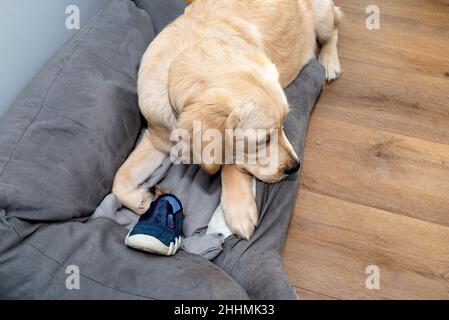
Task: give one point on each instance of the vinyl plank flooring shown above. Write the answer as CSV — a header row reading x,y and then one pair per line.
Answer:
x,y
337,240
375,178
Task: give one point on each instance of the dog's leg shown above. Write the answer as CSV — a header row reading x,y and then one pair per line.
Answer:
x,y
237,201
141,163
327,17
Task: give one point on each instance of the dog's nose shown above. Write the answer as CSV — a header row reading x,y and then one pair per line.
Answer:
x,y
292,169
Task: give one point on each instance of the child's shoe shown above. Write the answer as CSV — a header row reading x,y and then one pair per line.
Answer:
x,y
159,230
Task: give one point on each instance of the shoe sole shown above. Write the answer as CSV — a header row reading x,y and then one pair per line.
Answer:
x,y
151,244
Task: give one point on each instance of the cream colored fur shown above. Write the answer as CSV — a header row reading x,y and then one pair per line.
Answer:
x,y
225,63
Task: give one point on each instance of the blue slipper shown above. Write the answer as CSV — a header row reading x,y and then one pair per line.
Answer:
x,y
159,230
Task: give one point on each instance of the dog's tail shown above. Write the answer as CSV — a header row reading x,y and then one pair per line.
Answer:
x,y
338,15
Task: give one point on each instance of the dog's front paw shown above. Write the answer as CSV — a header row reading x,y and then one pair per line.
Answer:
x,y
331,64
241,216
138,200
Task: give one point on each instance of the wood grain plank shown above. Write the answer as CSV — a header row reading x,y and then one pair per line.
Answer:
x,y
400,43
375,177
397,101
379,169
336,240
304,294
427,12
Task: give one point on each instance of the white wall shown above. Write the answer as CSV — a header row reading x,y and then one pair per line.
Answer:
x,y
30,33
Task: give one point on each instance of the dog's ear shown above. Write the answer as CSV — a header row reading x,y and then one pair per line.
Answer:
x,y
206,126
240,114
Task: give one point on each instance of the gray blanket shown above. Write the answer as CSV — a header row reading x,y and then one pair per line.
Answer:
x,y
199,193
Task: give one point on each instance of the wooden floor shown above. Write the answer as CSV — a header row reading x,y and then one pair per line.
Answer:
x,y
375,181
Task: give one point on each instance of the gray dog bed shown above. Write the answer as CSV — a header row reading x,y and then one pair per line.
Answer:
x,y
62,142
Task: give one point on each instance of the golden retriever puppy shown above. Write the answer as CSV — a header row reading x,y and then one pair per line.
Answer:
x,y
223,64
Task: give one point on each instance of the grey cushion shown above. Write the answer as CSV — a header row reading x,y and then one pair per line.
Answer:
x,y
36,269
60,146
72,127
162,12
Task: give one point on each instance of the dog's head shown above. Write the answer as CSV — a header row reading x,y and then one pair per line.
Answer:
x,y
235,103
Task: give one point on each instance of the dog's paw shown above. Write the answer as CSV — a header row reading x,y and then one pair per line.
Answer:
x,y
331,64
138,200
241,216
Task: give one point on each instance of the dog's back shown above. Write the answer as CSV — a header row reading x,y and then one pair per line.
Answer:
x,y
283,29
